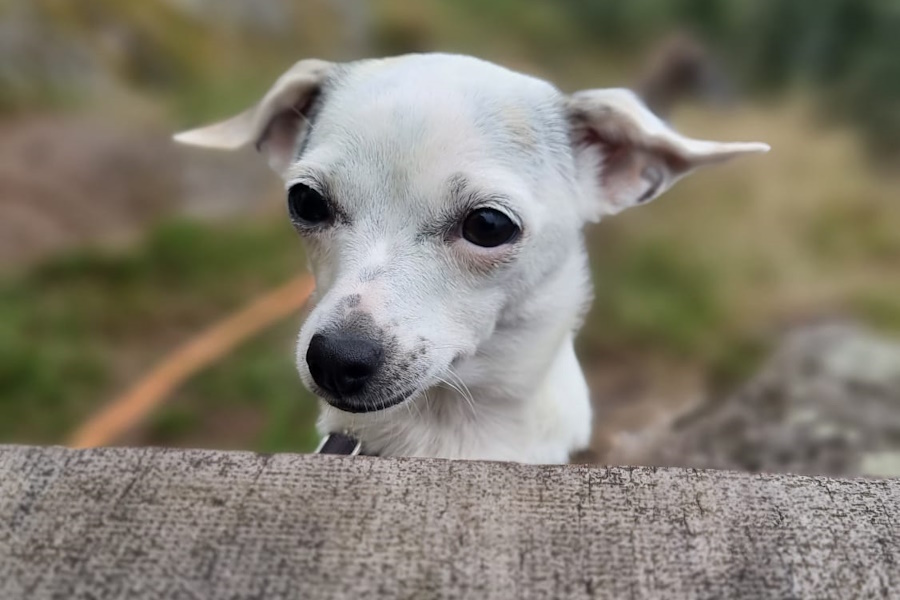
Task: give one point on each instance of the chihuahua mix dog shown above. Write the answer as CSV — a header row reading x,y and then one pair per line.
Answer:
x,y
442,199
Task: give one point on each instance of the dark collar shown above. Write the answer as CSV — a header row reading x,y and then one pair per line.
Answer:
x,y
342,444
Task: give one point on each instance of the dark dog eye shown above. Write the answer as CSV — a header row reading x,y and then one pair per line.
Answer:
x,y
307,206
489,228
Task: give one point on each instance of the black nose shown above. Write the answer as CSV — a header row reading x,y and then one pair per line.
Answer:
x,y
342,364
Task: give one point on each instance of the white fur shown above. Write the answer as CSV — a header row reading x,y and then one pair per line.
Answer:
x,y
482,339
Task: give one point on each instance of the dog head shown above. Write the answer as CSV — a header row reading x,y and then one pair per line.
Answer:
x,y
436,194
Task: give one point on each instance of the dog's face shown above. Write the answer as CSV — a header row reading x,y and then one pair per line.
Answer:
x,y
435,193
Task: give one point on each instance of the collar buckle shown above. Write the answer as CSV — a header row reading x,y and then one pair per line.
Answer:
x,y
341,444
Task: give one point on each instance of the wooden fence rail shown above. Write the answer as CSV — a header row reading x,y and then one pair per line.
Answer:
x,y
153,523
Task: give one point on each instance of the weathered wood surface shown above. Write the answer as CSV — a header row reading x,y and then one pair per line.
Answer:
x,y
147,523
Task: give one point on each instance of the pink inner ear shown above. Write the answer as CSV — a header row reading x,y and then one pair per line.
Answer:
x,y
629,173
280,135
616,149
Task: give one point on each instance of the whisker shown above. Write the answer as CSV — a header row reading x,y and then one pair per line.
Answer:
x,y
427,404
470,400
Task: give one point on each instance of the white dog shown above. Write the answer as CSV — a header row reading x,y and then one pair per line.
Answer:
x,y
442,199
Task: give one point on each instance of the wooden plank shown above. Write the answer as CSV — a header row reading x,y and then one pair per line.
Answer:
x,y
152,523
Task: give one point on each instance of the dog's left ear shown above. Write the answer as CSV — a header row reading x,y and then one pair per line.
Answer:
x,y
626,156
276,124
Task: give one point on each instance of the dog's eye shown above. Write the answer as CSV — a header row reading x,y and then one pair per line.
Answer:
x,y
307,206
489,228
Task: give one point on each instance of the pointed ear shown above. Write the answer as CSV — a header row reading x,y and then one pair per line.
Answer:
x,y
625,155
276,124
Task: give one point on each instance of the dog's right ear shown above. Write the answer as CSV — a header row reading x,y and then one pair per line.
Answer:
x,y
276,124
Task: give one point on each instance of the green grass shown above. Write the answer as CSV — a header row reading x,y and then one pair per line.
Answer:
x,y
647,294
252,399
882,310
654,298
75,330
854,230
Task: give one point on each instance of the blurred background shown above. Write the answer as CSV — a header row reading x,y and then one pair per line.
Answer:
x,y
117,246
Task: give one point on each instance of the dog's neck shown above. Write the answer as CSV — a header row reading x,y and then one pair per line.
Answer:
x,y
521,397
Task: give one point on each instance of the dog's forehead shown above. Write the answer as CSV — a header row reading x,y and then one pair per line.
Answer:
x,y
432,116
439,81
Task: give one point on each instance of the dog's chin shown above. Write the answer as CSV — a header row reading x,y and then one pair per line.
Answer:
x,y
364,405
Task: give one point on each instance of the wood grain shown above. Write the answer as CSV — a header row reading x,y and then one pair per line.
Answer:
x,y
152,523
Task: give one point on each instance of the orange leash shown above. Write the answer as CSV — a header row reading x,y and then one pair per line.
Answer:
x,y
134,405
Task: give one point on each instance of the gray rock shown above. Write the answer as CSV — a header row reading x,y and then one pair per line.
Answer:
x,y
828,402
